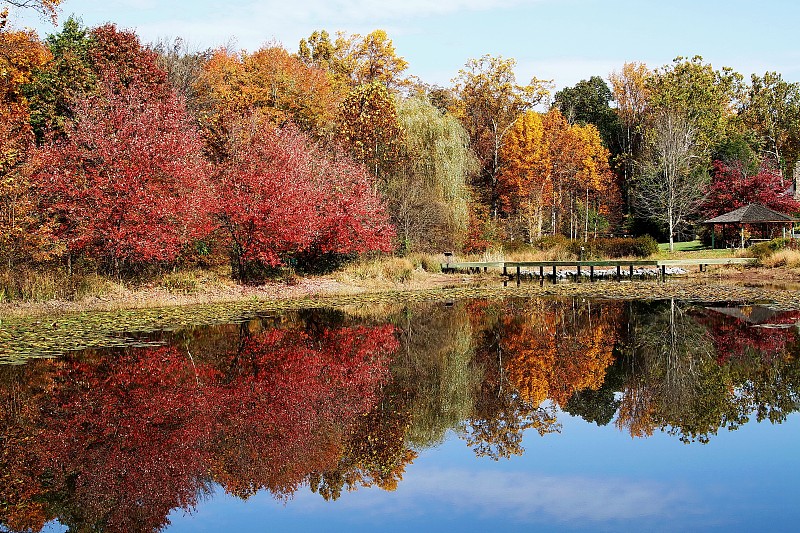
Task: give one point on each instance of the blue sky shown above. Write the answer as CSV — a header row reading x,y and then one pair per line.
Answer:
x,y
563,40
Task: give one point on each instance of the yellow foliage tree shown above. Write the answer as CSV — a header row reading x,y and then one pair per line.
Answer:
x,y
525,182
549,161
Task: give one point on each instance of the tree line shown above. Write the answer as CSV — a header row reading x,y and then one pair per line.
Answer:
x,y
123,156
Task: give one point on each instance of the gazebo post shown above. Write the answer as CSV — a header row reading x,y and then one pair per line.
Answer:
x,y
712,236
741,233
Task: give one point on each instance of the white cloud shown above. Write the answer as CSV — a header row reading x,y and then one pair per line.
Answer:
x,y
524,497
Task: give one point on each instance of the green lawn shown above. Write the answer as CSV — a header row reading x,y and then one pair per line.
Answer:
x,y
689,250
688,246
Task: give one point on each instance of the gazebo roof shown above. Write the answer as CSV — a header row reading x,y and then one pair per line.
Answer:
x,y
750,214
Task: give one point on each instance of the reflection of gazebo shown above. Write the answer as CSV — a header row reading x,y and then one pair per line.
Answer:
x,y
750,215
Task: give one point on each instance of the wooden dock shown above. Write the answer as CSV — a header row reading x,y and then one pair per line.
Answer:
x,y
629,265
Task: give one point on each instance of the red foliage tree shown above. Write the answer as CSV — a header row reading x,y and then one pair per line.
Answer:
x,y
279,195
732,186
128,183
120,52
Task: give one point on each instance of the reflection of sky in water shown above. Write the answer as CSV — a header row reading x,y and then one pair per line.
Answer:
x,y
587,478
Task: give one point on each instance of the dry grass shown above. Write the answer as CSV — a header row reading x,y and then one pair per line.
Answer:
x,y
39,285
782,258
371,272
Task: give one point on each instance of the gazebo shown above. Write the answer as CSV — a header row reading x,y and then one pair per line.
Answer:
x,y
751,215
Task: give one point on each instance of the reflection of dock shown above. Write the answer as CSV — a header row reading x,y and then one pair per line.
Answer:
x,y
629,266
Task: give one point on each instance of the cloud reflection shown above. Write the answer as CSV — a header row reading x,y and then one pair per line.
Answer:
x,y
523,497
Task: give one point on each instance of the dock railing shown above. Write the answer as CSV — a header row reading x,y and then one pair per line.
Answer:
x,y
630,265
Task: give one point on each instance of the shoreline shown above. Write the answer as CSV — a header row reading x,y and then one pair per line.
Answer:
x,y
780,286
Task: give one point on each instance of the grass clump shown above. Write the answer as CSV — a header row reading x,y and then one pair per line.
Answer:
x,y
180,282
782,258
392,269
431,263
28,284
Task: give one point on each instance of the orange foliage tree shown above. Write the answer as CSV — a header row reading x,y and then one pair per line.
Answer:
x,y
525,182
279,85
22,233
549,161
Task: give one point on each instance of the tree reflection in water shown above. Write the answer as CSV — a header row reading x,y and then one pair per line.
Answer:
x,y
115,440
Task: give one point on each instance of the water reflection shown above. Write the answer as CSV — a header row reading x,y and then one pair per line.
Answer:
x,y
114,440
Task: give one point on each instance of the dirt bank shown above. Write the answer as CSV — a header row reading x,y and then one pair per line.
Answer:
x,y
779,286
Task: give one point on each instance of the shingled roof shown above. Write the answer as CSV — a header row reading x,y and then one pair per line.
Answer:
x,y
750,214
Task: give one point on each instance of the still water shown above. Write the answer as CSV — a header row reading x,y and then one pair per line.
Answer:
x,y
514,414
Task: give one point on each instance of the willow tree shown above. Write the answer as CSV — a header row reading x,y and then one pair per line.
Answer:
x,y
428,193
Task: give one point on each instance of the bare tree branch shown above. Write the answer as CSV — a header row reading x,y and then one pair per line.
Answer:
x,y
670,188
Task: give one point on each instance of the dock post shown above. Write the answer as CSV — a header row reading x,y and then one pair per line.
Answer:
x,y
541,272
591,272
663,273
578,276
505,270
555,275
619,273
518,274
631,265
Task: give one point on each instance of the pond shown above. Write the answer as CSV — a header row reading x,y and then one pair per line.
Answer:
x,y
476,414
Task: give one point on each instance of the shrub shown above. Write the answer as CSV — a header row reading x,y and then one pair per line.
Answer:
x,y
764,250
550,241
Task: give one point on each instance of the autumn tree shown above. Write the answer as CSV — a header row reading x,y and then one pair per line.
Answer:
x,y
280,195
583,183
427,194
81,57
355,59
631,93
23,234
552,165
526,181
184,66
368,126
588,103
771,109
488,103
733,186
703,95
270,80
128,184
48,8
